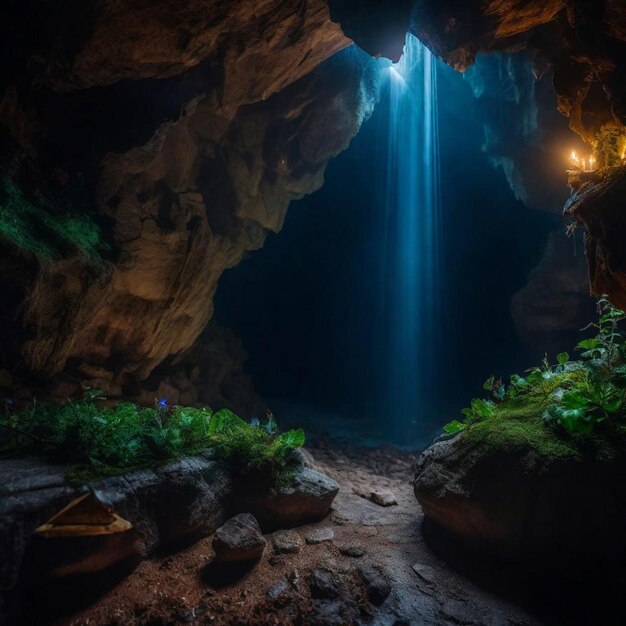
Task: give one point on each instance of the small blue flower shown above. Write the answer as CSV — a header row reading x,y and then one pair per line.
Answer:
x,y
162,403
9,401
255,422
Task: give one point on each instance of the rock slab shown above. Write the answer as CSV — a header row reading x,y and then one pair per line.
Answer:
x,y
239,540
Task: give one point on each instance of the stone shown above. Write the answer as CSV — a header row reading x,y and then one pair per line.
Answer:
x,y
353,550
239,540
320,535
518,504
383,497
376,584
305,498
323,584
279,592
286,542
165,505
425,572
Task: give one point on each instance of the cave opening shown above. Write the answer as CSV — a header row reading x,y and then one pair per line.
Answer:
x,y
403,246
313,312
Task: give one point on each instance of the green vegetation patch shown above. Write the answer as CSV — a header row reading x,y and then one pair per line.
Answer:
x,y
94,440
46,229
572,408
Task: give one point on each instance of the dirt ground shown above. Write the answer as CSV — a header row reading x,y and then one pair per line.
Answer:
x,y
376,569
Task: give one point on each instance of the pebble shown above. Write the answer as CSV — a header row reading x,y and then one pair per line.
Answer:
x,y
376,584
425,572
286,542
320,536
355,551
383,497
278,592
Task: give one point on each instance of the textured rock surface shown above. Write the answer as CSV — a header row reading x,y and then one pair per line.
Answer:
x,y
306,498
513,505
286,542
239,540
188,166
168,589
168,505
555,304
581,43
165,505
598,204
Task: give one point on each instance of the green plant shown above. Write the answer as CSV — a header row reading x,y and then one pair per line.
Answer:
x,y
45,228
253,448
92,439
578,398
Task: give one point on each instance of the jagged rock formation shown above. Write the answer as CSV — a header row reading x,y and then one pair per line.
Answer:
x,y
228,117
167,505
585,45
598,204
554,305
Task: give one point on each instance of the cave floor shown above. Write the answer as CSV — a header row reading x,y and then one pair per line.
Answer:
x,y
322,583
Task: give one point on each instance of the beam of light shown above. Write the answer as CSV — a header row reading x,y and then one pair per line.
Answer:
x,y
395,74
411,250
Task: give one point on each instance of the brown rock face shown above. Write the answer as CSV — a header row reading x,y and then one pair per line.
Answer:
x,y
186,173
583,41
554,305
598,204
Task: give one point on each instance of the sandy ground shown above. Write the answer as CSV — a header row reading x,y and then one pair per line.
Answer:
x,y
325,583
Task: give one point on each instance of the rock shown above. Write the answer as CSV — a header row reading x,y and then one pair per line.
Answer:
x,y
376,584
165,505
319,535
323,584
306,498
239,540
353,550
597,205
279,592
286,542
383,497
425,572
85,537
509,502
207,176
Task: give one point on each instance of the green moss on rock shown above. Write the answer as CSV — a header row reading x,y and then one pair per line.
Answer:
x,y
46,229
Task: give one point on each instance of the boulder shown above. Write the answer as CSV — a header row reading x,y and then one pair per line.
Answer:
x,y
239,540
305,498
517,505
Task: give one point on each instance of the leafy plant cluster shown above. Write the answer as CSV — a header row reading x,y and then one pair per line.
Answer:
x,y
45,228
578,398
609,144
92,440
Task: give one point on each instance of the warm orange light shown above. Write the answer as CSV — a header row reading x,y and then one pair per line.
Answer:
x,y
584,164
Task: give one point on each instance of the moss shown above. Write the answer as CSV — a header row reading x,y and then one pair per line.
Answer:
x,y
48,230
518,424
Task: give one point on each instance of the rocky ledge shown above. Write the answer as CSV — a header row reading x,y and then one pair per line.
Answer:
x,y
155,508
519,506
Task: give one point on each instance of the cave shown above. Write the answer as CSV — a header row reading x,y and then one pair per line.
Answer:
x,y
312,312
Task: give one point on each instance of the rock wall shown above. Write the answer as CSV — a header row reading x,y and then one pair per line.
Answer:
x,y
192,127
584,44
